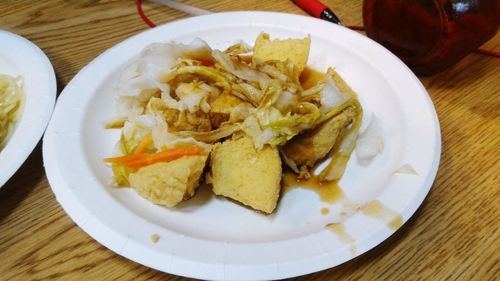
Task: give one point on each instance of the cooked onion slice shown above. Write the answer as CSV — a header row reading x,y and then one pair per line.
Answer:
x,y
212,136
371,141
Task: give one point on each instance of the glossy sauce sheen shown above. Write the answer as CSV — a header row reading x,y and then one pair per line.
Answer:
x,y
328,191
309,77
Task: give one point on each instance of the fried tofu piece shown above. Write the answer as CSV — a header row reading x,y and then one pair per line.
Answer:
x,y
220,109
295,50
312,145
168,183
246,174
187,121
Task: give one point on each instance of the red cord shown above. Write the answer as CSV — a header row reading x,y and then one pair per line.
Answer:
x,y
143,16
353,27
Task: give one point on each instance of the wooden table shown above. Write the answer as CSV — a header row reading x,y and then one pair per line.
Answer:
x,y
454,235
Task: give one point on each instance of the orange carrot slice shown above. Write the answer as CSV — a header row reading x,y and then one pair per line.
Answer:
x,y
137,161
124,159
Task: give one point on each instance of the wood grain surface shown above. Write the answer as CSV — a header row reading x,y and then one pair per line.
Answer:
x,y
453,236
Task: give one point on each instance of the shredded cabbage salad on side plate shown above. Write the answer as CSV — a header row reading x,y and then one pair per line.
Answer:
x,y
11,101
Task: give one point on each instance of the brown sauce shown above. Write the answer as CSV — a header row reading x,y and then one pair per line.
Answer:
x,y
328,191
339,230
377,210
155,238
310,77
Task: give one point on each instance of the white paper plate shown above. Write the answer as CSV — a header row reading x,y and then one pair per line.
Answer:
x,y
212,238
18,56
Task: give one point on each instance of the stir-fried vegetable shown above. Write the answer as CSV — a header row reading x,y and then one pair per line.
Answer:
x,y
143,145
167,98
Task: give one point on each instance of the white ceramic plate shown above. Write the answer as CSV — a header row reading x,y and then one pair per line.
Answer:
x,y
213,238
20,57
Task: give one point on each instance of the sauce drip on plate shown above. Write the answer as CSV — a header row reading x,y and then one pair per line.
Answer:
x,y
339,230
328,191
379,211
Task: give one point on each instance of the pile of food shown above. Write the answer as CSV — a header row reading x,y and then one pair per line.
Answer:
x,y
11,101
190,114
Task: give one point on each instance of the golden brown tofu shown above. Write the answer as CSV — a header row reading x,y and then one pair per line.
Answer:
x,y
247,175
220,109
187,121
295,50
312,145
168,183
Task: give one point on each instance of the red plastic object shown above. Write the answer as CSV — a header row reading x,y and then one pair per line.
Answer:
x,y
313,7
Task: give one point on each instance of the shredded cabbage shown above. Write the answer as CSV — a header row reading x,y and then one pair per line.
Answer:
x,y
371,141
193,96
330,96
11,101
148,71
240,70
